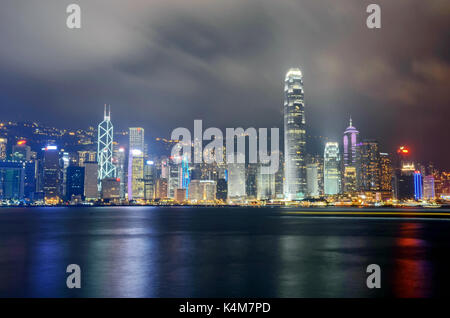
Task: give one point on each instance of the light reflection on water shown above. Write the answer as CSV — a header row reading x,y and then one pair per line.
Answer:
x,y
207,252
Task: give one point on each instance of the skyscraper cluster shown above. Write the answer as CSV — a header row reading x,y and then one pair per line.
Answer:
x,y
46,165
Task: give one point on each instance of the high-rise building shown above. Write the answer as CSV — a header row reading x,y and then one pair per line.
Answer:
x,y
387,172
350,140
331,164
222,189
312,180
21,151
418,187
74,182
149,180
349,179
119,162
90,181
185,175
428,188
251,180
161,191
86,155
135,175
3,147
12,176
202,190
111,189
51,175
174,182
180,195
294,136
368,166
106,169
136,135
265,185
29,188
236,181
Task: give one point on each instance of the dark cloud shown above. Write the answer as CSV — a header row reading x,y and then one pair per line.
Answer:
x,y
162,64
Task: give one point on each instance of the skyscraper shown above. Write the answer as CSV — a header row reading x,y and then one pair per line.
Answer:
x,y
294,135
137,139
236,181
265,185
350,140
312,179
428,188
135,174
51,175
387,172
74,182
368,166
185,176
331,165
106,169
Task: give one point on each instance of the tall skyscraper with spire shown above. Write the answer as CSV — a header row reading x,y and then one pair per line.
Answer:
x,y
106,169
294,136
350,140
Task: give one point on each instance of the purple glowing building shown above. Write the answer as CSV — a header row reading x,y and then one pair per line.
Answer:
x,y
351,139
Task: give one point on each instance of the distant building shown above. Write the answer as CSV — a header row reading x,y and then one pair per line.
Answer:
x,y
136,140
222,189
3,148
428,188
90,181
86,155
265,185
12,178
106,169
418,187
312,180
119,162
149,180
294,135
175,179
111,189
349,179
387,172
368,166
21,151
331,168
180,195
74,182
202,190
236,181
51,175
161,191
251,181
350,141
135,174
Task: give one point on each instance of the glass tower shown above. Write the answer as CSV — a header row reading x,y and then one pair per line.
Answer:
x,y
331,164
350,140
106,169
294,136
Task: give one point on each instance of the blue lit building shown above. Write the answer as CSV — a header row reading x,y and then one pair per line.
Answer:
x,y
74,182
418,187
12,180
185,178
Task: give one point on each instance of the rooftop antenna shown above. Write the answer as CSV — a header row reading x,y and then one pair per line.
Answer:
x,y
351,124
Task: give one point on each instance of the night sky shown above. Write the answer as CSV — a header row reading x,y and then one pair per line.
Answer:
x,y
163,63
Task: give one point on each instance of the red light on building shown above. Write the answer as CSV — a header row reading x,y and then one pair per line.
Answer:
x,y
21,142
118,179
403,150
